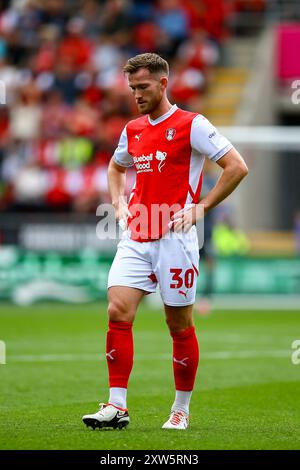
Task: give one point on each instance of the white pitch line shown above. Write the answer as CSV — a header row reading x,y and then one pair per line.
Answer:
x,y
246,302
217,355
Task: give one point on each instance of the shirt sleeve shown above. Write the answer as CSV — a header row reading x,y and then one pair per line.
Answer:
x,y
121,155
207,140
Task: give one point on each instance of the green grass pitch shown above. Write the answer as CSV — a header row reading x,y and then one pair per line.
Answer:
x,y
246,395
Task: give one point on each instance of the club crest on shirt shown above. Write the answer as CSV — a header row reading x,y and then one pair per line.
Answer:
x,y
170,133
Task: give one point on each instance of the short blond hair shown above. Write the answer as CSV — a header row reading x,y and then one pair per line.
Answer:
x,y
150,61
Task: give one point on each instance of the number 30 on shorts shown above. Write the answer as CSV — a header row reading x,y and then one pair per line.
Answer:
x,y
179,277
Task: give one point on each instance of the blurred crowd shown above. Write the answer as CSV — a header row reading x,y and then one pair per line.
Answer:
x,y
64,99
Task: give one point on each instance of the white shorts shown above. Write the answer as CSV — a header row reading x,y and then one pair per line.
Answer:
x,y
171,262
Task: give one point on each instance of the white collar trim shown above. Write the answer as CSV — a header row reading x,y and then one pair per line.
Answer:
x,y
164,116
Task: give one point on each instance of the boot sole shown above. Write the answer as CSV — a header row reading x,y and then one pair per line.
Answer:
x,y
94,424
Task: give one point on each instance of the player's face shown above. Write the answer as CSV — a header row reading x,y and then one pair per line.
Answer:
x,y
147,89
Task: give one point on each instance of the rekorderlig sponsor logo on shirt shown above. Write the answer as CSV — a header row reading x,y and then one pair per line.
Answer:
x,y
144,163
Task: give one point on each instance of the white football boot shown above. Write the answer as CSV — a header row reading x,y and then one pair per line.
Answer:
x,y
108,416
177,420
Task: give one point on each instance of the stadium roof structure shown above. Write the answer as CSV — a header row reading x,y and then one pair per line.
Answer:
x,y
266,137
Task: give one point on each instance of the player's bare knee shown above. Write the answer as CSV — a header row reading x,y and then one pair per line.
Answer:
x,y
178,325
118,311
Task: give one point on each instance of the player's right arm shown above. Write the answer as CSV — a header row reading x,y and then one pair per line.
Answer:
x,y
116,183
116,174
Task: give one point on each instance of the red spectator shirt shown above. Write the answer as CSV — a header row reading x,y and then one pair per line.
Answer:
x,y
168,154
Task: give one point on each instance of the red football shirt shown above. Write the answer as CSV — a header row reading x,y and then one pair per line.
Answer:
x,y
168,154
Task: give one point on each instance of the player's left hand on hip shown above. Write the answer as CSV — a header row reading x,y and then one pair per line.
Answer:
x,y
184,219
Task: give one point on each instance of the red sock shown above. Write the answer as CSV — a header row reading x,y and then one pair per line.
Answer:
x,y
185,358
119,353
